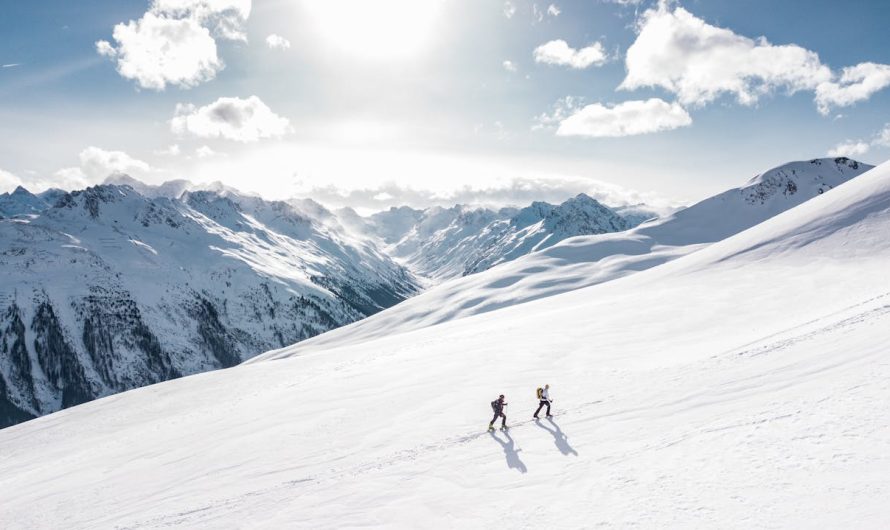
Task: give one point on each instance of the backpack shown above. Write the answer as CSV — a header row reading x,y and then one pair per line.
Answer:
x,y
540,393
494,406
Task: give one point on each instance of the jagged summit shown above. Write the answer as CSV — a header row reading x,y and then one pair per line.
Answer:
x,y
21,202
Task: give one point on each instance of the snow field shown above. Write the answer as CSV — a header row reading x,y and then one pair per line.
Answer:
x,y
744,385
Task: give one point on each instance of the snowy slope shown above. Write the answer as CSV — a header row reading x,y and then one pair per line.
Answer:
x,y
110,290
441,243
583,261
741,386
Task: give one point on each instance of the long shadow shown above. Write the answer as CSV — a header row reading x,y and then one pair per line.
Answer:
x,y
510,452
559,437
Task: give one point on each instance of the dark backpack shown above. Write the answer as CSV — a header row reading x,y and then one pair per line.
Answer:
x,y
494,406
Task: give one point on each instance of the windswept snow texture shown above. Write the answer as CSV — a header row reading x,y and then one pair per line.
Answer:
x,y
110,289
741,386
583,261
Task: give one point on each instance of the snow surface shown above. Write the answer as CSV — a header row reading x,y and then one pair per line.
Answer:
x,y
743,385
588,260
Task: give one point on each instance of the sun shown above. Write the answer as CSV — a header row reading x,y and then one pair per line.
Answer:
x,y
380,30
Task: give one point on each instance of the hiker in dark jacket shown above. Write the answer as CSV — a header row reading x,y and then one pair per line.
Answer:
x,y
544,400
498,407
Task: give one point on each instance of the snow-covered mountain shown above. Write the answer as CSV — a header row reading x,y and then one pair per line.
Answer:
x,y
110,290
129,284
442,243
21,202
588,260
738,386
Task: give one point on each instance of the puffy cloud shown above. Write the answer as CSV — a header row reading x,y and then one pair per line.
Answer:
x,y
204,152
510,66
849,149
624,119
241,120
855,84
679,52
559,52
8,181
553,10
97,164
854,148
883,137
225,17
277,42
509,9
69,178
699,62
174,43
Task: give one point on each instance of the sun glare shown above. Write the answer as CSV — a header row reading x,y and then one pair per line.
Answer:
x,y
376,29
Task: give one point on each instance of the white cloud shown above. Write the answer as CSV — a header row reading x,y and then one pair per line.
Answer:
x,y
856,83
553,10
625,119
509,9
699,62
8,181
510,66
225,17
104,48
562,109
854,148
156,51
241,120
849,149
559,52
277,42
174,43
883,137
69,178
97,164
204,152
10,65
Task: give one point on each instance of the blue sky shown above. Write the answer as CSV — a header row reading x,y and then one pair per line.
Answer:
x,y
434,101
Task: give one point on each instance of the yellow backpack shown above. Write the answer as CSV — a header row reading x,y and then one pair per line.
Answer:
x,y
540,393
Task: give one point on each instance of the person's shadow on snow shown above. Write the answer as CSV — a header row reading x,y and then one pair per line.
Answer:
x,y
559,437
510,452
